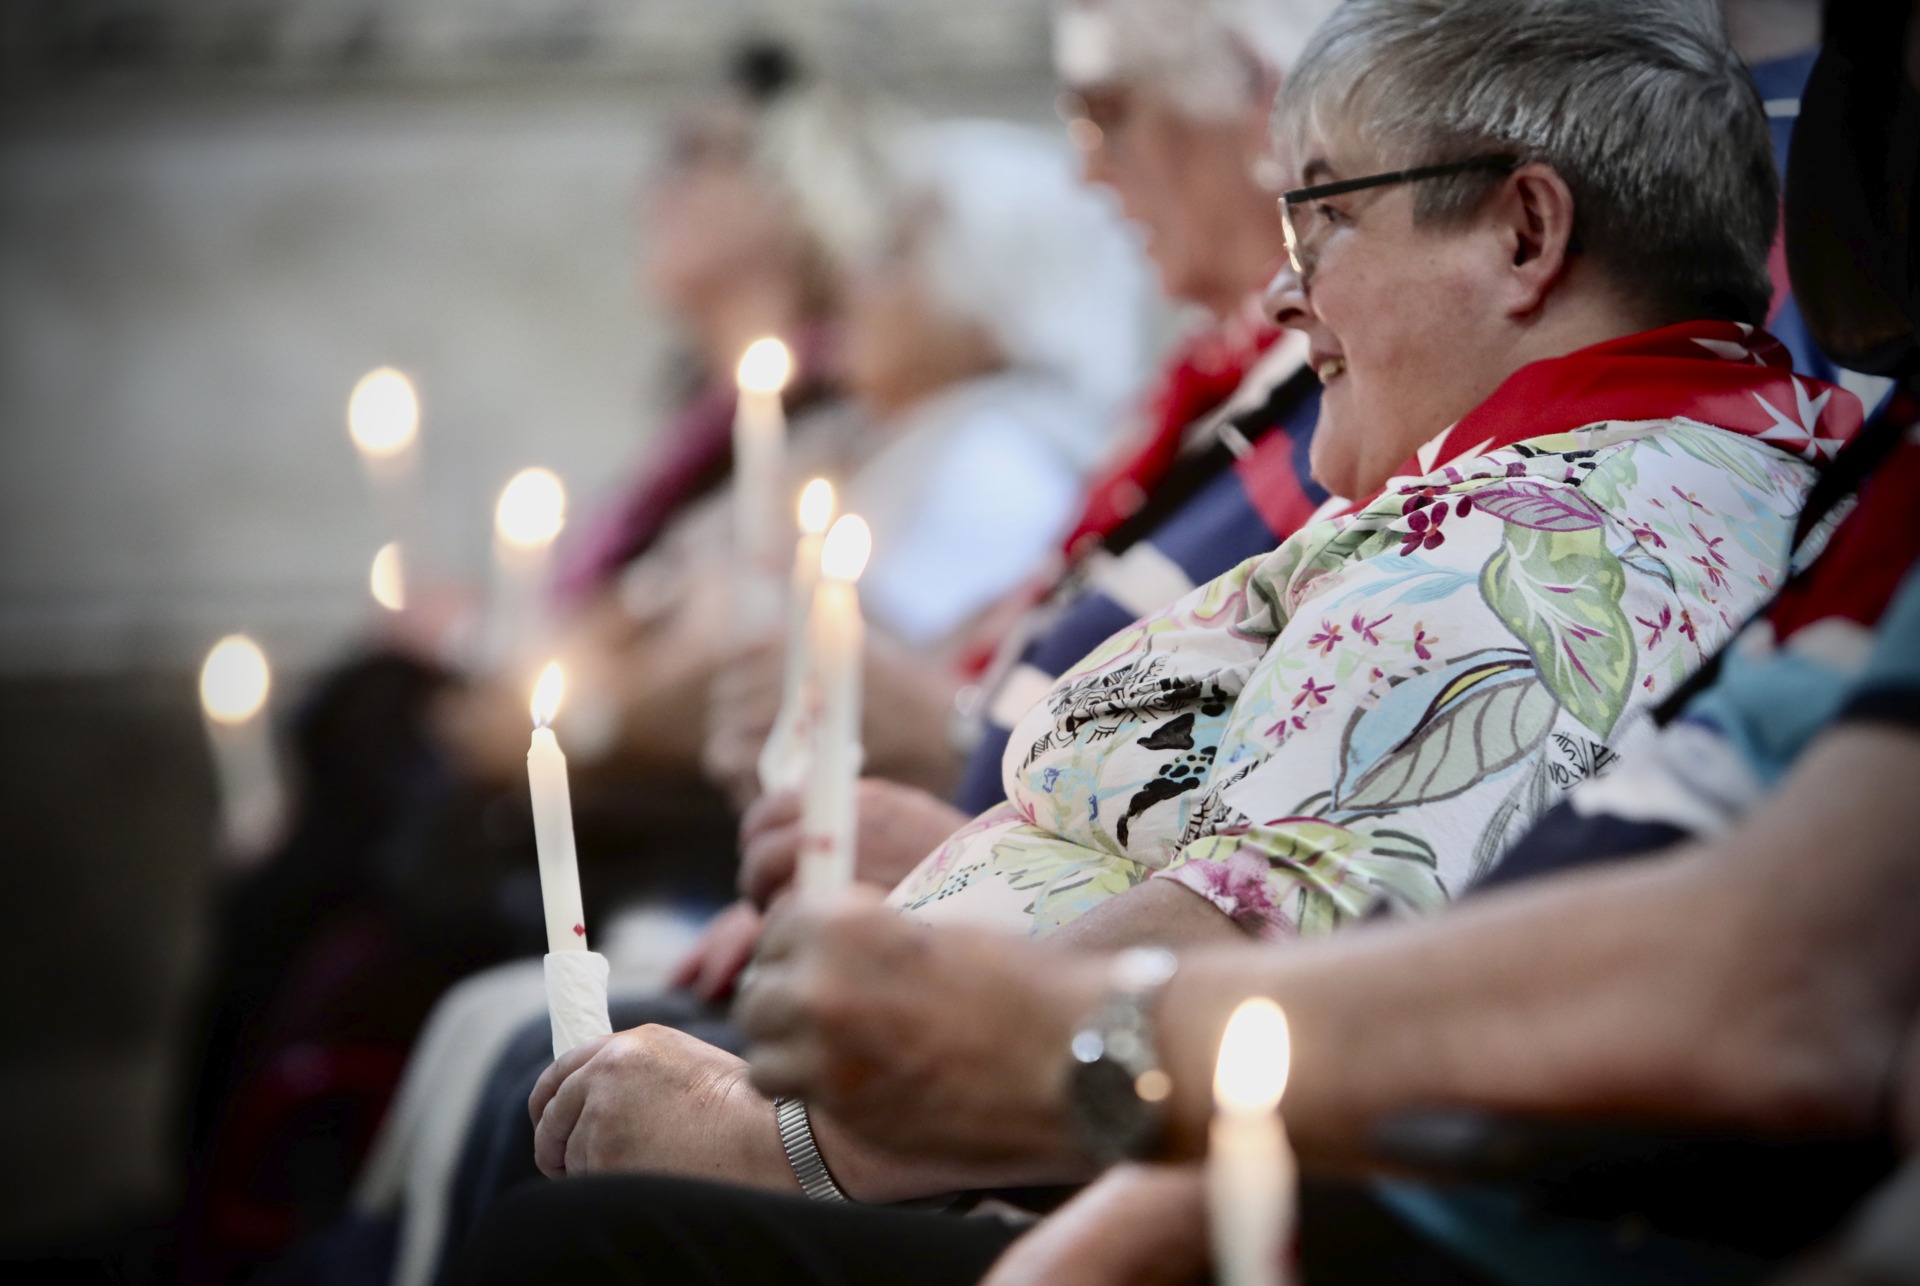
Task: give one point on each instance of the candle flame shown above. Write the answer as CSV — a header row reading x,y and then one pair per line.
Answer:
x,y
383,414
386,580
234,680
546,695
816,506
844,553
765,367
532,509
1255,1055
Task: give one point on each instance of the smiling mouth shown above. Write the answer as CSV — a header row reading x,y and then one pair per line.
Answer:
x,y
1330,368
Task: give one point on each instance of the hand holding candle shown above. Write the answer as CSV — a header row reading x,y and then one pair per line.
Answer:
x,y
234,683
783,759
759,461
576,977
1252,1179
837,639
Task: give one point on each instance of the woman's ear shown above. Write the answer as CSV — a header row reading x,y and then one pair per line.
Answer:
x,y
1533,217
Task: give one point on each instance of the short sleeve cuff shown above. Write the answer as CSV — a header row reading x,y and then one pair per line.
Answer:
x,y
1240,887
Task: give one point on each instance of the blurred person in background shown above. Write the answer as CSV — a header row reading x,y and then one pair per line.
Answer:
x,y
1167,102
409,864
993,323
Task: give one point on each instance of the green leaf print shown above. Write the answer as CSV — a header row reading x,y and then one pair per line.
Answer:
x,y
1392,864
1727,452
1443,732
1067,880
1559,592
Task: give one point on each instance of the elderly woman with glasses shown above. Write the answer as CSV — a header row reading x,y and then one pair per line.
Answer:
x,y
1529,245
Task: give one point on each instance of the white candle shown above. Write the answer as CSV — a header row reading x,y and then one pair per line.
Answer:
x,y
1252,1179
837,638
383,417
783,760
234,684
759,461
553,823
527,520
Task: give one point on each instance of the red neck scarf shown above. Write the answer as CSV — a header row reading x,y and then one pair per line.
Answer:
x,y
1722,374
1205,370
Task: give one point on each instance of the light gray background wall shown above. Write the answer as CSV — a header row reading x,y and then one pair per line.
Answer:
x,y
215,216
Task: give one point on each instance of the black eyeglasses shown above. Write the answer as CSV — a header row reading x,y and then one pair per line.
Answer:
x,y
1303,223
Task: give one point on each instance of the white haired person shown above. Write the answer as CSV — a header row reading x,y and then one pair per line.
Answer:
x,y
991,342
1166,101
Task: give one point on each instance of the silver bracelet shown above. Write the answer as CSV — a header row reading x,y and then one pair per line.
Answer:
x,y
803,1154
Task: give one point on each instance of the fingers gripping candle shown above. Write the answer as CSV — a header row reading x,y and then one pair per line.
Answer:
x,y
1252,1179
759,461
783,760
837,639
576,977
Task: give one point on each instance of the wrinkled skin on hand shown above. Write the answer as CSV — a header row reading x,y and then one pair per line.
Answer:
x,y
655,1100
943,1042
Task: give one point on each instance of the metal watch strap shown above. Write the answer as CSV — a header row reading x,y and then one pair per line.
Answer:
x,y
803,1154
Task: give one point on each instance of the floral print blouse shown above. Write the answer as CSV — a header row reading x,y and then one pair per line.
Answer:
x,y
1372,711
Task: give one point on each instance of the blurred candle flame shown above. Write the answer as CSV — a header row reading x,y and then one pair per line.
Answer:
x,y
387,580
532,509
849,543
765,367
816,506
546,695
383,414
1255,1054
234,681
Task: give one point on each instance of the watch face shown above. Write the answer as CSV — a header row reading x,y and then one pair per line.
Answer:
x,y
1114,1121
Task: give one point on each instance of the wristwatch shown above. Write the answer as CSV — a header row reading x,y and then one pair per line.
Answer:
x,y
1116,1089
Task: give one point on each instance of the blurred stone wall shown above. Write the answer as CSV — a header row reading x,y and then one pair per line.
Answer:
x,y
215,215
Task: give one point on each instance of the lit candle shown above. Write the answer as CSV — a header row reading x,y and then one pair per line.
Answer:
x,y
576,977
1251,1175
386,581
759,460
383,417
783,760
234,684
836,637
553,822
526,522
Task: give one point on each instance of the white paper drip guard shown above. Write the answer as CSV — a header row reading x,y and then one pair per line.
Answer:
x,y
576,998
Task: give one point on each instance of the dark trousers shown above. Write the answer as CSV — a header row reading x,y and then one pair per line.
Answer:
x,y
679,1232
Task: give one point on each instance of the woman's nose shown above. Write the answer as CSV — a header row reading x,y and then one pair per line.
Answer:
x,y
1285,298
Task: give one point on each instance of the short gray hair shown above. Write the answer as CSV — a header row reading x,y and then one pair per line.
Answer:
x,y
1641,106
